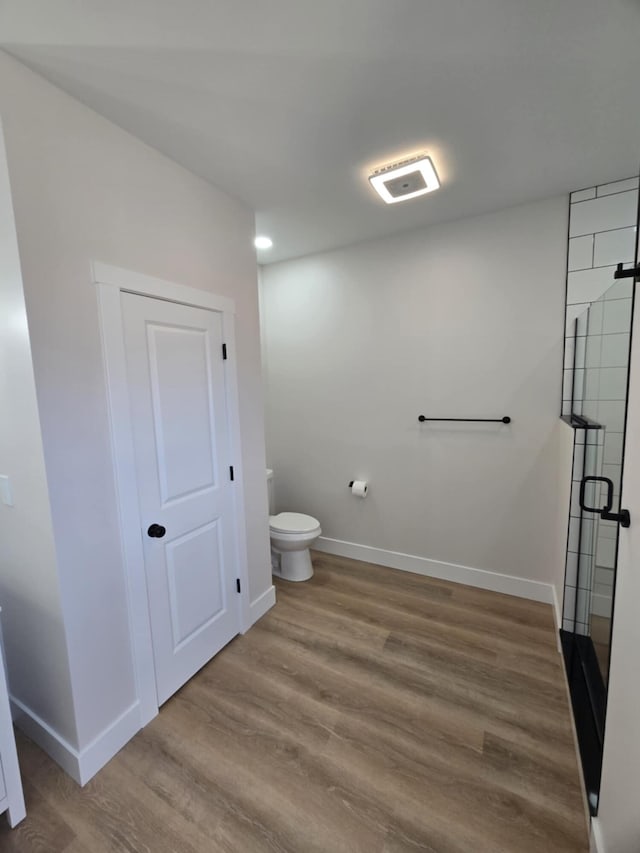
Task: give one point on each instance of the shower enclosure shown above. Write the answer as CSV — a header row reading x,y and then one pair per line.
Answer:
x,y
598,352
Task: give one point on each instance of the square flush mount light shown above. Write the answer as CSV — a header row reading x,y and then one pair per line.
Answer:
x,y
405,180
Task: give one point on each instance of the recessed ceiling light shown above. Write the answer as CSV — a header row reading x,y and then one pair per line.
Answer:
x,y
406,179
263,242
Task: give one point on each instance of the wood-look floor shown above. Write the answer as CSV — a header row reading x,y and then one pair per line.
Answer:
x,y
370,711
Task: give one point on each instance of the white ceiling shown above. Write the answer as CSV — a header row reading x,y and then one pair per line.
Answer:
x,y
286,104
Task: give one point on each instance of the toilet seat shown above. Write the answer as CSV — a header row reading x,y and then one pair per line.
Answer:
x,y
293,522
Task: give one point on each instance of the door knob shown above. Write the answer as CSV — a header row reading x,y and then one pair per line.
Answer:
x,y
156,531
623,517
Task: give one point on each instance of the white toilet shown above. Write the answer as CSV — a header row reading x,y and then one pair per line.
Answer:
x,y
292,534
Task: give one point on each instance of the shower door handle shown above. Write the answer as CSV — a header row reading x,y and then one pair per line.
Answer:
x,y
622,517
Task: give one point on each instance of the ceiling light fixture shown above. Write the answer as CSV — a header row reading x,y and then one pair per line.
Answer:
x,y
263,242
406,179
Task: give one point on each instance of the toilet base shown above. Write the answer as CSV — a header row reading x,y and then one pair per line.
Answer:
x,y
292,565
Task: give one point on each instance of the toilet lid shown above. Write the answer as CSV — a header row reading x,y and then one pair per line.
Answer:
x,y
293,522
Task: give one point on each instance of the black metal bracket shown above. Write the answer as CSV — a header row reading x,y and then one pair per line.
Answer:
x,y
622,273
505,420
623,517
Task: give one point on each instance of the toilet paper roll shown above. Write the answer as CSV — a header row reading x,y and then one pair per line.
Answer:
x,y
359,488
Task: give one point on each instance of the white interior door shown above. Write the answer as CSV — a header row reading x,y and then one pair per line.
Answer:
x,y
177,394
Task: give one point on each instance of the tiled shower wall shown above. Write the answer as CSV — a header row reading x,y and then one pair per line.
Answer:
x,y
602,234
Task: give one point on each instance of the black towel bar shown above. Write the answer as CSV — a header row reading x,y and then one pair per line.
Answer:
x,y
505,420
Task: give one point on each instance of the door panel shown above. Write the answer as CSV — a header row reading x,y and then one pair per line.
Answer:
x,y
194,567
178,405
182,410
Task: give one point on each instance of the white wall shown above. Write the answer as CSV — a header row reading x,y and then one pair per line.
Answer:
x,y
617,827
29,590
459,320
84,190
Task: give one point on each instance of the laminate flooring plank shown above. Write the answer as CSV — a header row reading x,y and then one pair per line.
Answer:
x,y
370,711
45,832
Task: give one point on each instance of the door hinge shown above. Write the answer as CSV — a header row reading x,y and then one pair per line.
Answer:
x,y
224,352
238,584
231,475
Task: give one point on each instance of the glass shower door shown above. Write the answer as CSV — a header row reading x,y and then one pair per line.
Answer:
x,y
600,379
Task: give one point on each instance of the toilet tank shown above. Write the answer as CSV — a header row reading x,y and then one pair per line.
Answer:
x,y
272,505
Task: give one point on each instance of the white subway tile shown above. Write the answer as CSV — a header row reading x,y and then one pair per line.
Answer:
x,y
607,350
603,214
608,529
592,458
602,599
585,567
617,186
604,576
612,247
595,435
574,508
606,552
615,350
595,318
577,312
569,602
573,384
581,253
613,472
586,544
583,195
588,285
617,316
613,383
592,383
593,351
574,534
571,574
613,448
569,350
583,610
622,289
611,414
578,462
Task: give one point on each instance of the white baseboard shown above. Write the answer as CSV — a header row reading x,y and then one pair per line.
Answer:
x,y
481,578
81,765
46,737
109,742
262,604
597,841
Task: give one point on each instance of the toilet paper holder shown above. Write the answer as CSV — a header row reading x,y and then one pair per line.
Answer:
x,y
359,488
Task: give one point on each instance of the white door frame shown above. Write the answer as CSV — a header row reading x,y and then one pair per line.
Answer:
x,y
110,282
